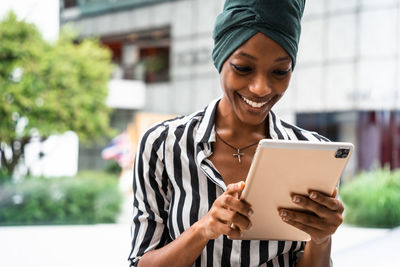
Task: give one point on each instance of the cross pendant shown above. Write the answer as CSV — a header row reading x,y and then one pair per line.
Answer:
x,y
238,154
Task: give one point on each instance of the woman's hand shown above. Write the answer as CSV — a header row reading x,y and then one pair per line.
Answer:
x,y
228,215
324,219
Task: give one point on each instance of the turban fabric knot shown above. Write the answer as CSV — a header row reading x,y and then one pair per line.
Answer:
x,y
241,19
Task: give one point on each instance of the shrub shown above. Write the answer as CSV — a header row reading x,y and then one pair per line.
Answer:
x,y
4,176
90,197
372,199
113,168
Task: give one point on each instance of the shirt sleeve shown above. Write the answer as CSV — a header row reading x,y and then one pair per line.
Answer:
x,y
299,253
150,198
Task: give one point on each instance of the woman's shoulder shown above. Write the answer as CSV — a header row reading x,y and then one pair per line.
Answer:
x,y
294,132
167,127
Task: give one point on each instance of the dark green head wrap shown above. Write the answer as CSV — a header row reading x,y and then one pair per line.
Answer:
x,y
241,19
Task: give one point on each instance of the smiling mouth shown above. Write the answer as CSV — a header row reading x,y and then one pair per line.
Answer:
x,y
255,104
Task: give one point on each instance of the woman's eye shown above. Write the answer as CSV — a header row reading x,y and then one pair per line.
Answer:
x,y
281,72
242,69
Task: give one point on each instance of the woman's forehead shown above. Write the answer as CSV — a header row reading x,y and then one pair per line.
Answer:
x,y
259,46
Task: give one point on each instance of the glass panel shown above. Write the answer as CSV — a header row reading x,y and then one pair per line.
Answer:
x,y
70,3
89,7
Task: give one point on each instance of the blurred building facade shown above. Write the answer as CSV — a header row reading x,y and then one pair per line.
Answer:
x,y
346,84
349,59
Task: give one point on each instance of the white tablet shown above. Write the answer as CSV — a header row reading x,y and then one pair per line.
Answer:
x,y
280,168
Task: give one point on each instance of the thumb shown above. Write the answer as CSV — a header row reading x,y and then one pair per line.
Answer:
x,y
235,189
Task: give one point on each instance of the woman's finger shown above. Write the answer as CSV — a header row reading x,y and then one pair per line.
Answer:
x,y
241,221
306,228
329,202
303,218
327,226
235,188
316,235
230,202
233,232
227,229
311,205
230,217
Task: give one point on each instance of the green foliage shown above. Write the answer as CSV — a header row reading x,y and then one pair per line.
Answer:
x,y
53,87
372,199
90,197
113,168
4,176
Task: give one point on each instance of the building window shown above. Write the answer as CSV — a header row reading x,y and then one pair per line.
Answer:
x,y
142,55
379,142
325,124
376,134
156,63
70,3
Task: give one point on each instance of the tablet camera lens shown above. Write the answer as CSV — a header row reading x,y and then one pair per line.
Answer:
x,y
342,153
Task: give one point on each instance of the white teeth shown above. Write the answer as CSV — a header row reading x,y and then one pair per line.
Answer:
x,y
254,104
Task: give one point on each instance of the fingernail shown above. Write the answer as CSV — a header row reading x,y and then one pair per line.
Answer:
x,y
296,199
250,212
285,219
283,213
313,195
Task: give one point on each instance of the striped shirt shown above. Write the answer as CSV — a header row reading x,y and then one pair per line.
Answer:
x,y
175,184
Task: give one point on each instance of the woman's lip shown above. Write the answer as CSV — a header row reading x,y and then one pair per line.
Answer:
x,y
256,109
258,100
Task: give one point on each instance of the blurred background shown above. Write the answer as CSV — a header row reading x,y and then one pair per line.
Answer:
x,y
80,80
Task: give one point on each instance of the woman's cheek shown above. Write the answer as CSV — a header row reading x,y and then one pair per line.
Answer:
x,y
286,83
233,83
281,86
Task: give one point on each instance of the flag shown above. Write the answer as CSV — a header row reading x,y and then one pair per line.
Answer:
x,y
120,150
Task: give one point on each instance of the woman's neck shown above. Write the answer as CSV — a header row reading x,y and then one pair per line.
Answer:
x,y
230,126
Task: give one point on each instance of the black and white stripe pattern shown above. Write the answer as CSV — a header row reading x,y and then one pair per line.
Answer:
x,y
175,185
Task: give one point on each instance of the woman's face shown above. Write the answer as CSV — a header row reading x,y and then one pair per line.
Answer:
x,y
254,78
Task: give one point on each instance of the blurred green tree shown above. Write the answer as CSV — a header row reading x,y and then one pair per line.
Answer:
x,y
49,88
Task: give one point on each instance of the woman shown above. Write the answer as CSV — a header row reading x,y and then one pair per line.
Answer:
x,y
189,171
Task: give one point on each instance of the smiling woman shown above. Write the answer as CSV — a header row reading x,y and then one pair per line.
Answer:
x,y
190,171
253,81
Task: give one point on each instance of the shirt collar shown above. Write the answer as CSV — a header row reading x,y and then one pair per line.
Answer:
x,y
206,130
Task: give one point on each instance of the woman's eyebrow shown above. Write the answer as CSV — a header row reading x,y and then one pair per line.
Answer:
x,y
244,54
282,59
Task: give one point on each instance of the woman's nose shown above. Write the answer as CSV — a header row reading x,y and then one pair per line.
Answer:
x,y
259,86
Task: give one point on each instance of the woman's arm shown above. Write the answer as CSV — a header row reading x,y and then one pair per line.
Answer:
x,y
324,217
228,216
181,252
316,254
